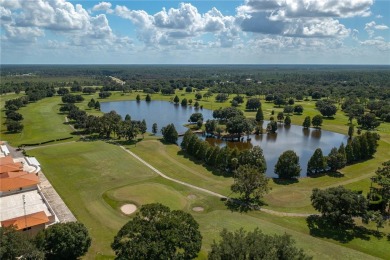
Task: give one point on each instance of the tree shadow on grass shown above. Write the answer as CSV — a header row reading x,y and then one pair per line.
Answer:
x,y
284,181
335,174
320,227
237,205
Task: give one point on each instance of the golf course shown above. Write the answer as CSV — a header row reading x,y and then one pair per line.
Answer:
x,y
95,177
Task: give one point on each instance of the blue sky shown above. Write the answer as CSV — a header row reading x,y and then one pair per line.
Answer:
x,y
195,32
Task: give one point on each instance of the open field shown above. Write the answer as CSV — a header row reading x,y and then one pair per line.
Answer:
x,y
96,178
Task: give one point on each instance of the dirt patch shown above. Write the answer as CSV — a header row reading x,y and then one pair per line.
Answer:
x,y
191,196
198,209
128,209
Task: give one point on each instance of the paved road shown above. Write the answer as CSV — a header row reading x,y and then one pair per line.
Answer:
x,y
269,211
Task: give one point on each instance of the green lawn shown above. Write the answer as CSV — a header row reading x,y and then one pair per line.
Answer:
x,y
42,122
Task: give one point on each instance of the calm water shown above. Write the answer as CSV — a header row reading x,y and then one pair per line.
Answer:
x,y
302,141
160,112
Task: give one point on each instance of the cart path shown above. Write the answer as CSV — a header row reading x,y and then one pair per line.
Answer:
x,y
269,211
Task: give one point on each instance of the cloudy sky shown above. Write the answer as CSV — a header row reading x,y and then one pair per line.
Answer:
x,y
195,32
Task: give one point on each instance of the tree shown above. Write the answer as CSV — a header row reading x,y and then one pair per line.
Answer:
x,y
306,122
272,127
184,102
253,104
259,115
156,232
148,98
170,134
176,100
317,121
328,110
62,91
221,97
143,127
288,110
316,95
91,103
298,109
14,126
349,153
64,240
279,101
288,165
336,160
253,157
138,98
211,126
196,104
255,245
350,131
339,205
317,162
235,125
198,96
250,183
104,94
154,128
17,245
287,121
382,178
13,115
280,116
195,117
368,121
97,105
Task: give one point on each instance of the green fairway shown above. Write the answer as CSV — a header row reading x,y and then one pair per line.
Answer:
x,y
42,122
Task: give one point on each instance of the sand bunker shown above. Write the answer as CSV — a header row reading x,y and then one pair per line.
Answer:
x,y
128,209
197,209
191,196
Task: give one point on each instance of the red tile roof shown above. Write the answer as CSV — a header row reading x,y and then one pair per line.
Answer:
x,y
26,221
6,160
12,167
15,181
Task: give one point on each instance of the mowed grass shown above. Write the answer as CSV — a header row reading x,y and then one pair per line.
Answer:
x,y
85,174
42,122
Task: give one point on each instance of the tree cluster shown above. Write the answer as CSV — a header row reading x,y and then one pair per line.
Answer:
x,y
170,134
59,241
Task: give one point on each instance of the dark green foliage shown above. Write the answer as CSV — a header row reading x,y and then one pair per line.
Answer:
x,y
250,183
89,90
317,163
148,98
291,101
64,240
272,127
368,121
255,245
62,91
328,110
170,134
15,116
195,117
382,179
138,98
259,115
143,127
336,160
184,102
14,126
196,104
104,94
15,244
198,96
221,97
298,109
186,139
288,109
279,101
154,128
317,121
211,126
224,114
287,121
254,157
307,122
339,205
176,100
349,153
280,116
236,125
287,166
253,104
316,95
156,232
70,98
351,130
97,105
91,103
188,89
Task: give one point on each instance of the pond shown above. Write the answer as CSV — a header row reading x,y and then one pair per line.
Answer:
x,y
302,141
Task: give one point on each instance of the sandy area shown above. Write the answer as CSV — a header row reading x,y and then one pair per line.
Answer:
x,y
197,209
128,209
191,196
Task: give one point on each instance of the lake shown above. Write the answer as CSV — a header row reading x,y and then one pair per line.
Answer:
x,y
302,141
